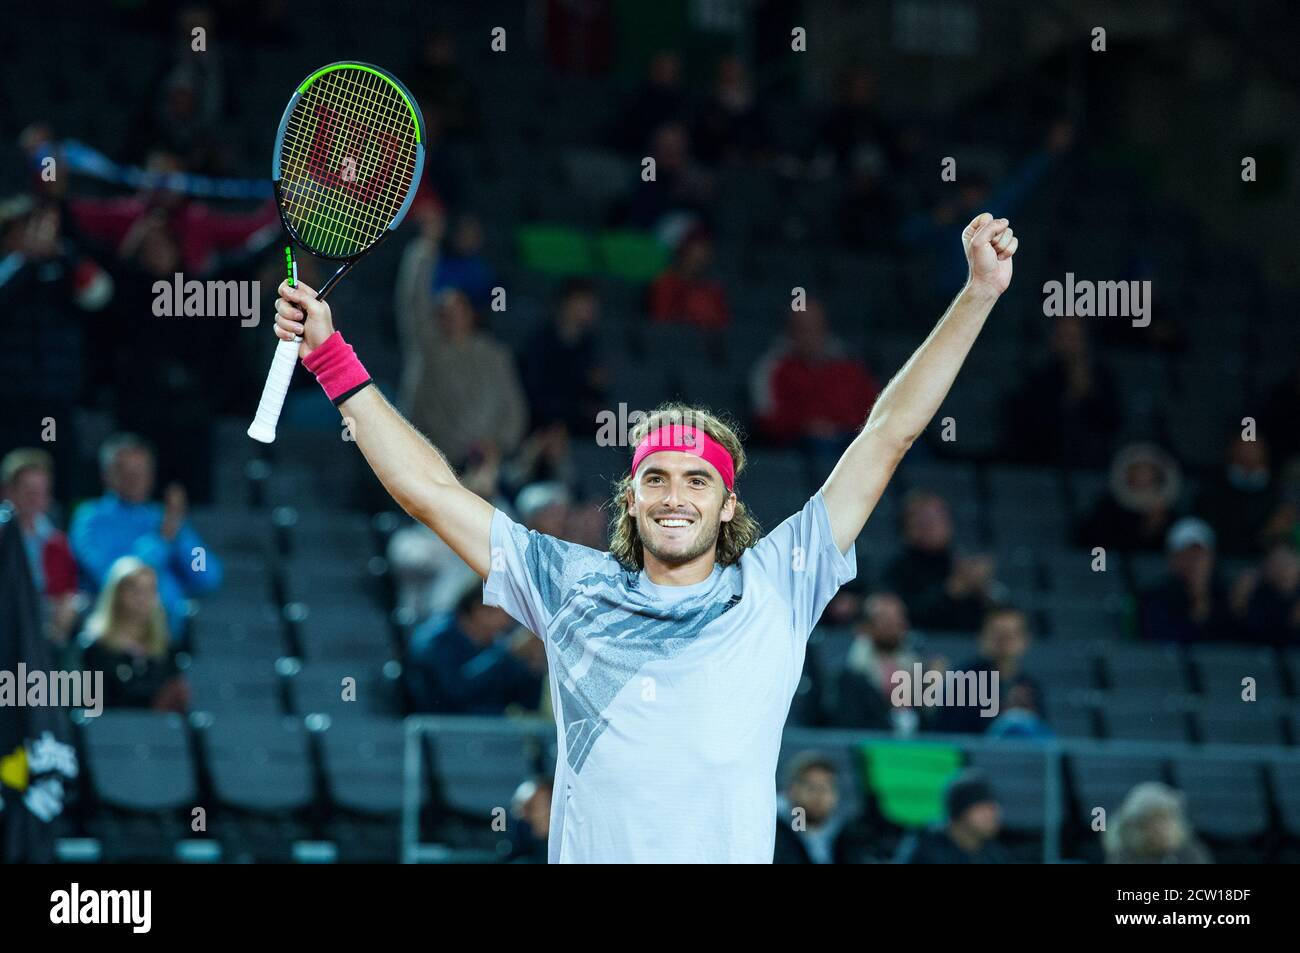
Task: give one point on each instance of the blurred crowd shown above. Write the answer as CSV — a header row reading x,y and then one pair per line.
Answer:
x,y
77,261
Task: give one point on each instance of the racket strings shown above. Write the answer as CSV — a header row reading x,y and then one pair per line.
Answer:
x,y
340,207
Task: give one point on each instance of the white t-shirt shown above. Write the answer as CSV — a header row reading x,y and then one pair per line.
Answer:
x,y
669,700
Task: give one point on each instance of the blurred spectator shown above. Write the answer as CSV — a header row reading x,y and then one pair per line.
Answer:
x,y
1190,604
462,264
689,292
1151,827
544,457
931,232
1244,502
809,389
199,232
941,589
430,577
681,187
46,282
580,37
865,202
183,114
462,664
1277,424
1003,641
846,606
561,367
1269,599
1145,484
126,639
660,101
1067,411
1021,714
531,809
443,87
588,525
26,478
462,391
866,685
124,522
812,829
854,128
974,820
726,127
544,507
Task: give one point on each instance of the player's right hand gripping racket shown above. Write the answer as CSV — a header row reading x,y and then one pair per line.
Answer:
x,y
348,158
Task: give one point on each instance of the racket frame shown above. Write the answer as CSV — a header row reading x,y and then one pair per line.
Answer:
x,y
264,423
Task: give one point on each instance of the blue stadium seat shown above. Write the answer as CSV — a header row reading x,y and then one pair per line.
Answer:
x,y
140,760
1225,799
234,685
259,762
478,770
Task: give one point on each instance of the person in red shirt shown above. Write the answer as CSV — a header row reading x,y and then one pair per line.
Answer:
x,y
808,389
687,293
26,480
200,232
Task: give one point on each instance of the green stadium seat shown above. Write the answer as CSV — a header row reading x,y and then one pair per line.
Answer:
x,y
909,780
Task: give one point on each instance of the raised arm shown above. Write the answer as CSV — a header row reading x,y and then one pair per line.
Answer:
x,y
906,406
411,469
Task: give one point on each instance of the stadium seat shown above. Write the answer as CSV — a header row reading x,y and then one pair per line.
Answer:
x,y
1069,573
341,536
909,780
1104,780
1071,619
319,687
233,530
1286,793
1225,799
309,578
555,250
234,685
1063,666
478,768
363,757
1239,722
235,630
345,631
1071,714
259,762
140,760
1145,669
1140,718
1019,780
632,256
828,650
1221,669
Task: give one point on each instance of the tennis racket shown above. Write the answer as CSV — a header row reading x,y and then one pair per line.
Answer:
x,y
347,161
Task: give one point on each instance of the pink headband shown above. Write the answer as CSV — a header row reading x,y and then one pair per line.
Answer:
x,y
687,439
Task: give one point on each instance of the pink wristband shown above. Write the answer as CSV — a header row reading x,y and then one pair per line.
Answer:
x,y
337,368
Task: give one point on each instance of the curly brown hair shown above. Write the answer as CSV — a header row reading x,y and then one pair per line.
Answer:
x,y
734,537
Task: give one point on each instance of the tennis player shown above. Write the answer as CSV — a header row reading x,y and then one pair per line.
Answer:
x,y
674,657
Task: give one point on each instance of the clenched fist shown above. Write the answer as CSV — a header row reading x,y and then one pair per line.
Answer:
x,y
989,244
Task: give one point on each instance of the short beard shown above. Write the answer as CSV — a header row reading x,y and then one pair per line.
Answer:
x,y
705,544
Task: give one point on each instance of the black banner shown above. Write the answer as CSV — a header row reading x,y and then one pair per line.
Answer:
x,y
38,764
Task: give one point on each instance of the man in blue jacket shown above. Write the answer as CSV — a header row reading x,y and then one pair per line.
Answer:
x,y
126,522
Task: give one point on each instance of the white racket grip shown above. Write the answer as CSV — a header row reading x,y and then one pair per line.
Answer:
x,y
277,385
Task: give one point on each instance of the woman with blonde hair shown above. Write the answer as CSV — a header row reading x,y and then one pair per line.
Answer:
x,y
126,638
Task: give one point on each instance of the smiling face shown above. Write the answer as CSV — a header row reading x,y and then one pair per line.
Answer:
x,y
679,503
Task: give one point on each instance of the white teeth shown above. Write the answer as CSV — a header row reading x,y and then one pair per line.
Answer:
x,y
673,522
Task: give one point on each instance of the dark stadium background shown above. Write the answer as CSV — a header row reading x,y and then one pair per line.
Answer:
x,y
1115,165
